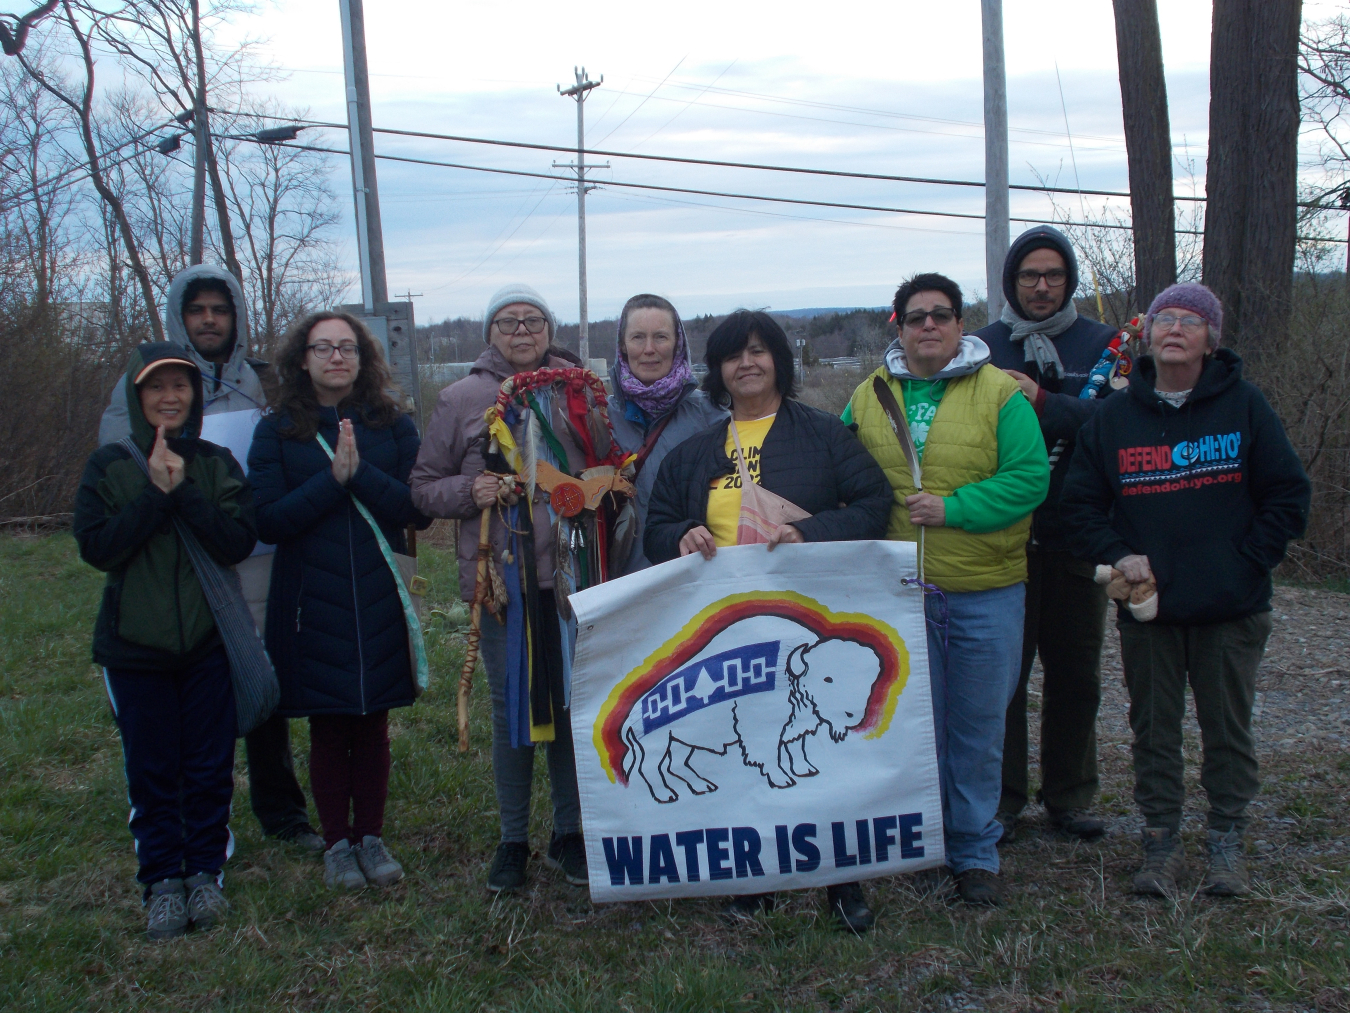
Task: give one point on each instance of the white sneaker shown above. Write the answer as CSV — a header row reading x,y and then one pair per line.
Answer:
x,y
341,869
379,867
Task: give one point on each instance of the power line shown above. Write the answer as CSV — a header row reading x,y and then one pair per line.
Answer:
x,y
717,163
714,193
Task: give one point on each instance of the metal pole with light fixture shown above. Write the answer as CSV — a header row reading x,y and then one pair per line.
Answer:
x,y
391,322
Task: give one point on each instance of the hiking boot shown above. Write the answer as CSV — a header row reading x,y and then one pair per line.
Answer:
x,y
1077,823
507,874
979,886
341,869
1164,862
744,907
304,837
168,915
377,865
1227,874
567,854
1008,821
849,907
206,903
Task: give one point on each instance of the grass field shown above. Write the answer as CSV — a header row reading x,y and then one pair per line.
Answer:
x,y
1071,937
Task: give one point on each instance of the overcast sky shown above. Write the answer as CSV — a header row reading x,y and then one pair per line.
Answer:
x,y
889,87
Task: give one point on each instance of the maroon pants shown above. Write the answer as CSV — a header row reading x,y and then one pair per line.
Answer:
x,y
349,774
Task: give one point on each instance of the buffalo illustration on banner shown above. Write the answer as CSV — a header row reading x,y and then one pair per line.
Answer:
x,y
756,722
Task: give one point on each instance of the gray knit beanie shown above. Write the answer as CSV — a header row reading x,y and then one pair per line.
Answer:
x,y
517,292
1187,296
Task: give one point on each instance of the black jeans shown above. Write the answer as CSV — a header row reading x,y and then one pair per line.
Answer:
x,y
273,791
1066,623
1220,661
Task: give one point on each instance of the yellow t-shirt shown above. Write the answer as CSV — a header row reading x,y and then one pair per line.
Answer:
x,y
724,496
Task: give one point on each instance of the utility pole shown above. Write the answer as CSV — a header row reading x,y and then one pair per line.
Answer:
x,y
995,154
578,92
202,137
361,140
392,323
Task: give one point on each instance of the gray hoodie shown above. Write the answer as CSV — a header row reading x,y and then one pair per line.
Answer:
x,y
230,387
971,354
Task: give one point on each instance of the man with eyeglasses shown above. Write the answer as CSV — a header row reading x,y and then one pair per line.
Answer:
x,y
963,452
1043,344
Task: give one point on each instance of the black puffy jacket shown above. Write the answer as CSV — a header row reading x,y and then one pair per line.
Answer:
x,y
808,457
335,628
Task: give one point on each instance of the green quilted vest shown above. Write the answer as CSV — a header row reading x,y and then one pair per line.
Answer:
x,y
962,448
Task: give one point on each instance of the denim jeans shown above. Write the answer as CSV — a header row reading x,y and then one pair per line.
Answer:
x,y
973,678
513,768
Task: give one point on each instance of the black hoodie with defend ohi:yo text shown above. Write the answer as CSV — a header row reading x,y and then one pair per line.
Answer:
x,y
1210,492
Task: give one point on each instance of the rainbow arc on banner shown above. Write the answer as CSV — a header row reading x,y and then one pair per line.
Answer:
x,y
695,635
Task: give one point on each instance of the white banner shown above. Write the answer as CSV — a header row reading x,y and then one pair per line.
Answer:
x,y
761,721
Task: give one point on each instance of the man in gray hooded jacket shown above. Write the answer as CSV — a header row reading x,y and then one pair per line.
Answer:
x,y
206,315
1043,344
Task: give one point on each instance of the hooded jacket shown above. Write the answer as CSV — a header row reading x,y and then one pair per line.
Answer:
x,y
692,414
1060,410
983,456
154,615
335,626
232,386
1210,492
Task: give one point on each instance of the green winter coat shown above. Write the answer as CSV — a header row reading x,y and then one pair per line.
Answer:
x,y
154,613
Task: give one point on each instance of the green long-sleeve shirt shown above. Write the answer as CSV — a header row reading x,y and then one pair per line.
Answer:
x,y
1023,477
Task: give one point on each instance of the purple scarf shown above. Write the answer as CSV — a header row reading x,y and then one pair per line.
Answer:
x,y
663,395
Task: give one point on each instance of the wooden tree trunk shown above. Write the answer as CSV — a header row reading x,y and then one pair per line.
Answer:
x,y
1148,145
1251,175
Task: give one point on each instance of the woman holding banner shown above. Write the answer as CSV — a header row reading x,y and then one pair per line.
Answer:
x,y
805,467
656,404
164,662
336,444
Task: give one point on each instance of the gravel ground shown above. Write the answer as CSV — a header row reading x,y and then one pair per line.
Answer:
x,y
1301,716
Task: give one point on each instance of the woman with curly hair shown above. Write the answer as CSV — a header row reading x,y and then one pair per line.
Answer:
x,y
335,622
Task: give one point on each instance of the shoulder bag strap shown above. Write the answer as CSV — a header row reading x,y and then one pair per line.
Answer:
x,y
409,610
649,444
256,690
740,455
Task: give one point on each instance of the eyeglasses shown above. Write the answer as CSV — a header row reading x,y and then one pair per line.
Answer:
x,y
1054,277
1165,321
511,325
940,314
323,350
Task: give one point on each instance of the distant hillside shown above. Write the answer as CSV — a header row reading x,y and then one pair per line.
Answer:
x,y
820,311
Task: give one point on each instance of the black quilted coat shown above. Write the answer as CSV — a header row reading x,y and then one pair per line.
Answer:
x,y
335,628
808,457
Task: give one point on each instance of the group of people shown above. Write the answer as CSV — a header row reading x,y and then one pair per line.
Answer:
x,y
1022,478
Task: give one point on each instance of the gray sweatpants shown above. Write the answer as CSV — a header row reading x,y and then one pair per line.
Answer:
x,y
1220,661
513,769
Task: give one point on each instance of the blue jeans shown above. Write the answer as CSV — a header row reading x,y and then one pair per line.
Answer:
x,y
973,679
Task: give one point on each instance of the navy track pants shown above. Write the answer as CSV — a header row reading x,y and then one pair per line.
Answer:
x,y
178,732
